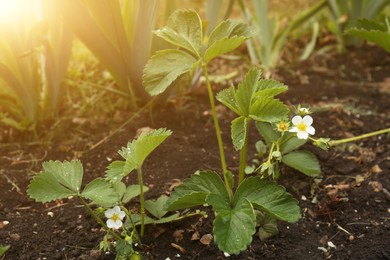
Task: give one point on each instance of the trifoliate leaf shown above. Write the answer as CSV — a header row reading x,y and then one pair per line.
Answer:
x,y
101,192
239,131
195,190
164,67
304,162
268,197
184,29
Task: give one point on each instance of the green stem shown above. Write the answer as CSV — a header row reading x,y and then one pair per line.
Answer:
x,y
98,220
142,199
217,128
355,138
243,154
133,225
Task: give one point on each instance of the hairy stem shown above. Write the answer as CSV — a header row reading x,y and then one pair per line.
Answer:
x,y
98,220
243,154
355,138
142,199
217,129
133,225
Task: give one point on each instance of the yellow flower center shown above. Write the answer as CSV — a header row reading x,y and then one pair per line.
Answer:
x,y
282,127
301,126
115,217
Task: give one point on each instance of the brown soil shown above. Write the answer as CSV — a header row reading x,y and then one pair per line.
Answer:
x,y
348,207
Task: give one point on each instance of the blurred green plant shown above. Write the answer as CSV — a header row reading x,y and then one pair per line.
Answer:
x,y
267,45
33,61
376,32
119,34
344,11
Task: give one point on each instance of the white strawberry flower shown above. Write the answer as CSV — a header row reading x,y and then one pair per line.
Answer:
x,y
114,217
302,126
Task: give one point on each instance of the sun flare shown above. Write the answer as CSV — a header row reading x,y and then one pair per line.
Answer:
x,y
12,10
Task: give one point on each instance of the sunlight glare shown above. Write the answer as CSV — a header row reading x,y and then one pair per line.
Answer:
x,y
12,10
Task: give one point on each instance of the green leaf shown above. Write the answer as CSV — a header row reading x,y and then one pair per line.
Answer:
x,y
148,220
269,88
239,130
124,249
58,180
268,197
268,110
164,67
268,225
290,142
101,192
119,188
371,31
45,187
117,170
184,29
304,162
132,191
157,207
135,153
68,174
268,132
137,150
195,190
4,249
246,90
229,29
233,228
227,97
222,46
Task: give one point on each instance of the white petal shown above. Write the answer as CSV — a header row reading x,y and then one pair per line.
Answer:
x,y
302,135
118,224
311,130
121,215
109,213
308,120
110,223
296,120
293,129
116,209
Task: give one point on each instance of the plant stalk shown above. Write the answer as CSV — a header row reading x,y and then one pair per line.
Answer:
x,y
98,220
243,154
217,128
142,199
355,138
